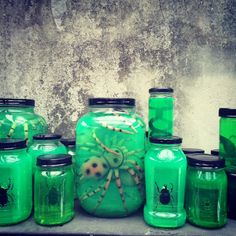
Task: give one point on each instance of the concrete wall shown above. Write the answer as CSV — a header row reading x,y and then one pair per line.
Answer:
x,y
61,52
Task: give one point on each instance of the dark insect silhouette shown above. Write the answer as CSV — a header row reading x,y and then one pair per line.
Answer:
x,y
53,196
5,197
165,196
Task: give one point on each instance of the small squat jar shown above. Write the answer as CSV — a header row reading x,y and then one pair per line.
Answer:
x,y
193,151
228,135
206,191
45,144
15,182
231,174
165,176
54,183
161,112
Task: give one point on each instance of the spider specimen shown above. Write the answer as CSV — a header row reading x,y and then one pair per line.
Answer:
x,y
165,196
5,197
109,163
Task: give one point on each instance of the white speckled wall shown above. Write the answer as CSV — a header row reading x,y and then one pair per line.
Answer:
x,y
61,52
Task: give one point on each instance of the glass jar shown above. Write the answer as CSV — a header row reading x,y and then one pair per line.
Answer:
x,y
110,147
228,135
192,151
206,191
69,143
161,112
45,144
15,181
18,119
231,196
165,174
53,185
215,152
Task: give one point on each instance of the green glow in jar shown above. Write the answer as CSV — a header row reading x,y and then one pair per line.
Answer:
x,y
53,188
206,191
15,182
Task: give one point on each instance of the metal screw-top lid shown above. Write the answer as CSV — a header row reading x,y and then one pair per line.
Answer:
x,y
54,160
227,112
193,150
111,101
215,152
16,102
68,141
46,136
205,160
12,144
166,140
161,90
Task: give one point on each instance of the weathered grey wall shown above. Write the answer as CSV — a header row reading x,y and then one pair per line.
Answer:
x,y
61,52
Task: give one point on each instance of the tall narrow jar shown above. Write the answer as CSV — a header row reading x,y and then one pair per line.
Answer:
x,y
110,149
165,174
161,112
15,182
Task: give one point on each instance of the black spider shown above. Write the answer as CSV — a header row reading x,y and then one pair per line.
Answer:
x,y
5,197
165,196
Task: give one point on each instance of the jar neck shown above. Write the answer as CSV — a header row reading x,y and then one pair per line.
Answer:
x,y
15,151
206,169
165,146
161,95
112,108
54,141
18,109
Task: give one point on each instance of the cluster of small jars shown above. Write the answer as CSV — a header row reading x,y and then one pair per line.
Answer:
x,y
112,152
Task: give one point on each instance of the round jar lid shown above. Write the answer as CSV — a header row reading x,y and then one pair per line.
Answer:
x,y
16,102
53,160
192,150
161,90
166,140
12,144
68,141
215,152
227,112
205,160
112,101
46,136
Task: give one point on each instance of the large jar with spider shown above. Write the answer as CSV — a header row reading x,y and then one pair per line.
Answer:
x,y
110,147
15,181
18,119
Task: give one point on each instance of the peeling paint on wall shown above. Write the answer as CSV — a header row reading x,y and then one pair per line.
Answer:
x,y
62,52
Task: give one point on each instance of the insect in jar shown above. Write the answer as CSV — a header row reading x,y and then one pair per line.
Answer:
x,y
110,160
5,197
165,196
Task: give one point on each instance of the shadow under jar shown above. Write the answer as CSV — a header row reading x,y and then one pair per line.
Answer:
x,y
110,147
206,191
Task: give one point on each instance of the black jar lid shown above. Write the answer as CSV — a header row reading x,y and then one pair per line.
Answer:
x,y
166,140
227,112
161,90
215,152
112,101
46,136
193,150
12,144
54,160
16,102
68,141
205,160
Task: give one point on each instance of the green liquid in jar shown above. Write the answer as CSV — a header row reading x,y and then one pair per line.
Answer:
x,y
110,151
161,116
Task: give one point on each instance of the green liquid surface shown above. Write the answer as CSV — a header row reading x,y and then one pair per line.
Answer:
x,y
110,151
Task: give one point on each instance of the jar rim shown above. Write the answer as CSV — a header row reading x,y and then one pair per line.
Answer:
x,y
111,101
16,102
54,160
46,136
227,112
161,90
68,141
205,160
12,144
166,140
193,150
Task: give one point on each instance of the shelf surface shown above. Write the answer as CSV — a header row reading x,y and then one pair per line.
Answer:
x,y
84,224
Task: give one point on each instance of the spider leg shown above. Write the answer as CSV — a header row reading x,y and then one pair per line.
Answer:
x,y
26,130
10,185
157,187
110,127
136,165
119,185
126,122
12,129
171,187
104,146
105,187
90,194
